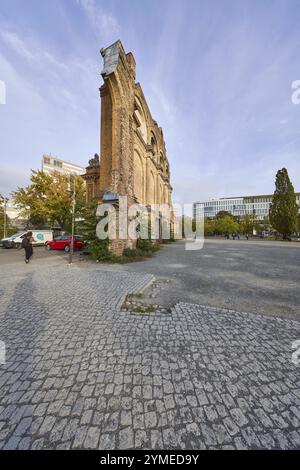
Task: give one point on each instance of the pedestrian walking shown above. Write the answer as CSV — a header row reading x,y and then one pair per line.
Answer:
x,y
27,245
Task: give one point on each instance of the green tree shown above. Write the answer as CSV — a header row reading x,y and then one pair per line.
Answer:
x,y
87,227
298,223
222,214
5,222
48,199
248,223
284,208
265,225
226,225
209,227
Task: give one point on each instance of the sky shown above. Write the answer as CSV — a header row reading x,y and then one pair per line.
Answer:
x,y
217,76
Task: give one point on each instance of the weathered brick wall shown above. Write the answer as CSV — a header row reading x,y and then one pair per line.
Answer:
x,y
105,137
133,153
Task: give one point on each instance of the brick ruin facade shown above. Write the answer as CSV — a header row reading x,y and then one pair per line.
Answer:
x,y
92,177
133,160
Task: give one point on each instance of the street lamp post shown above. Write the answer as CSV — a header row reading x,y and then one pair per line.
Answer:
x,y
71,252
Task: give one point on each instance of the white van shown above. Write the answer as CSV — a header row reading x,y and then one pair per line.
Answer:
x,y
41,237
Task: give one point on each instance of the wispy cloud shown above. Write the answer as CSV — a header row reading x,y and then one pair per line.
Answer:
x,y
217,78
52,106
46,71
13,40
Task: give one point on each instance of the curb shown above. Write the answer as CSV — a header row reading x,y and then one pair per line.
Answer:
x,y
138,291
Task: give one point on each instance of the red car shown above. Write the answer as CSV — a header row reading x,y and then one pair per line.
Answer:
x,y
64,243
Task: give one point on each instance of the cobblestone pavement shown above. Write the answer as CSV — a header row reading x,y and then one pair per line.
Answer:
x,y
82,373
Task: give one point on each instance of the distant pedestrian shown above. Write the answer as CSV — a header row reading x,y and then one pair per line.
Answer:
x,y
247,236
27,245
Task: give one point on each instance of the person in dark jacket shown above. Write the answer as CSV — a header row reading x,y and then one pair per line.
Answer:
x,y
27,245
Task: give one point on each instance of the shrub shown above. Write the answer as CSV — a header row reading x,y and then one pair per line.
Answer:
x,y
130,253
144,249
99,250
146,246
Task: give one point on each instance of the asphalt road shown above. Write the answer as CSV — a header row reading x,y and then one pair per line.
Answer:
x,y
249,276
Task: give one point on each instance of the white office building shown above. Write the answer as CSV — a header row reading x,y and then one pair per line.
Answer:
x,y
11,210
237,206
51,164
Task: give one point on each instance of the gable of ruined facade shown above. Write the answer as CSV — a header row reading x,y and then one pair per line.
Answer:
x,y
133,153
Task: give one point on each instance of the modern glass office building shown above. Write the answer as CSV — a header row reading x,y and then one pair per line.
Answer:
x,y
237,206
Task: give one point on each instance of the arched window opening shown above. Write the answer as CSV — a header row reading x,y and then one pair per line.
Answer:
x,y
139,112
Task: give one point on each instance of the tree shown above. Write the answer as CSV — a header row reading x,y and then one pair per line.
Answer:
x,y
48,199
209,226
226,225
284,208
187,225
98,248
249,223
298,223
5,222
222,214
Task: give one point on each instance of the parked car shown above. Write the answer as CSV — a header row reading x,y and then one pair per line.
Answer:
x,y
41,237
64,243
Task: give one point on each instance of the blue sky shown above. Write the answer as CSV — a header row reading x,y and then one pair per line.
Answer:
x,y
217,76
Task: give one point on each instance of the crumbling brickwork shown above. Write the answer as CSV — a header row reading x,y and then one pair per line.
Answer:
x,y
133,154
92,178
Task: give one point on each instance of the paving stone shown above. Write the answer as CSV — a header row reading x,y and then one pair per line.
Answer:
x,y
169,438
47,425
23,427
37,444
126,438
126,418
150,419
208,434
107,442
84,374
79,438
156,439
221,434
231,427
141,440
239,417
92,438
211,413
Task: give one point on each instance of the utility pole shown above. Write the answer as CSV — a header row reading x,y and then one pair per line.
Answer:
x,y
71,252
